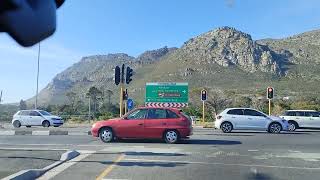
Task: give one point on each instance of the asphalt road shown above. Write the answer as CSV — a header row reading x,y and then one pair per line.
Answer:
x,y
12,161
209,154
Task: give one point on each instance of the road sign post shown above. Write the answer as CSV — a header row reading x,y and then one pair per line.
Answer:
x,y
204,97
167,94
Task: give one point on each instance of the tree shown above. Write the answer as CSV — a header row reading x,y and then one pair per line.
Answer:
x,y
72,98
22,105
109,93
217,101
94,94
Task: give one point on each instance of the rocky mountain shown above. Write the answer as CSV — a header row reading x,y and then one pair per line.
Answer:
x,y
224,58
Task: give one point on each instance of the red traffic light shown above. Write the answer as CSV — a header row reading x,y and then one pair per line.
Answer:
x,y
270,93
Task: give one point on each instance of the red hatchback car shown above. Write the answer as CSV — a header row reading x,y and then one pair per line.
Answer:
x,y
169,124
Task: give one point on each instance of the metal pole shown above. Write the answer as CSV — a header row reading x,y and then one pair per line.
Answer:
x,y
121,98
36,104
125,107
269,107
89,108
203,111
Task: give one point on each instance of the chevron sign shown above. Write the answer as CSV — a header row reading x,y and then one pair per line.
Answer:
x,y
160,104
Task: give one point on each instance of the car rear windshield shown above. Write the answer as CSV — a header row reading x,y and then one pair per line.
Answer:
x,y
235,112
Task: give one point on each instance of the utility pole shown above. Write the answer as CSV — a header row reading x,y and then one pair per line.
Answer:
x,y
36,104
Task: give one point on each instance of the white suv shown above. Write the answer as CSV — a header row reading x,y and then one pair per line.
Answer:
x,y
30,118
249,119
302,119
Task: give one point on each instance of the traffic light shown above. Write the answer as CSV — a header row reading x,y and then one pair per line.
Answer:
x,y
129,75
204,95
270,92
117,75
122,73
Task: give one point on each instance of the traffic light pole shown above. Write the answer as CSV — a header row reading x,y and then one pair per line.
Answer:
x,y
269,107
121,98
203,111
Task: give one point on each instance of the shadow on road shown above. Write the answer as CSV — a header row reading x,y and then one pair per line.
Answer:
x,y
259,176
183,141
209,142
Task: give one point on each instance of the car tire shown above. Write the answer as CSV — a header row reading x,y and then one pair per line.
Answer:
x,y
46,123
293,126
171,136
16,124
226,127
106,135
275,128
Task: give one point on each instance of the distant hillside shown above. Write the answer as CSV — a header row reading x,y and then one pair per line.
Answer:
x,y
224,58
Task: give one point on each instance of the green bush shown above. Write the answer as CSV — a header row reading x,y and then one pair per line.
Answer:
x,y
106,116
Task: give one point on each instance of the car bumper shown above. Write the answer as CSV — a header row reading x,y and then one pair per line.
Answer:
x,y
185,132
217,124
95,132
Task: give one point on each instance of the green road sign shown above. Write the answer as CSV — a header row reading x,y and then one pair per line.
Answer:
x,y
167,92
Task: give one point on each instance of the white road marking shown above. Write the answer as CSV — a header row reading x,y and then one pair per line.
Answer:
x,y
7,133
293,151
41,133
253,150
57,170
71,133
115,179
224,164
35,149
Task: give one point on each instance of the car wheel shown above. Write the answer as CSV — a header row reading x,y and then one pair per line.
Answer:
x,y
45,123
292,126
106,135
274,128
16,124
171,136
28,126
226,127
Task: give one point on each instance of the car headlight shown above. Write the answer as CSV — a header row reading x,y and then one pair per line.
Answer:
x,y
94,125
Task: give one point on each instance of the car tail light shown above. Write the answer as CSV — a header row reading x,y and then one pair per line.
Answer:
x,y
219,117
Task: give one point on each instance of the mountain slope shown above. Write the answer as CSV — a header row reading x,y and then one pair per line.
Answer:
x,y
224,58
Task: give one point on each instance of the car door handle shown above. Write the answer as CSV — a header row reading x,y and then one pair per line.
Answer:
x,y
249,118
164,123
140,124
233,117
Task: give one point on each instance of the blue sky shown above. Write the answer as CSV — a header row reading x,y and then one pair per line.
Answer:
x,y
133,26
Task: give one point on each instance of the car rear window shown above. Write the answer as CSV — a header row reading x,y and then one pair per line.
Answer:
x,y
235,112
24,113
290,113
171,115
300,113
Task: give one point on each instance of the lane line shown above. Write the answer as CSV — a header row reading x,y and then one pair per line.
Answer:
x,y
109,168
253,150
57,170
35,149
225,164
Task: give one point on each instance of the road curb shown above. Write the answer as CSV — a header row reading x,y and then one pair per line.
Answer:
x,y
35,173
44,133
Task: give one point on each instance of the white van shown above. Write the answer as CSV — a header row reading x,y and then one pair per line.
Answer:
x,y
30,118
302,119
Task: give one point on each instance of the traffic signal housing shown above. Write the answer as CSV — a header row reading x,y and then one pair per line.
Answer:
x,y
117,75
270,92
204,95
129,74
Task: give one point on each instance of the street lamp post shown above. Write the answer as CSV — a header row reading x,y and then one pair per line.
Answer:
x,y
36,104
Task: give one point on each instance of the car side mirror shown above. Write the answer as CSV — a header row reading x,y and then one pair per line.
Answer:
x,y
29,22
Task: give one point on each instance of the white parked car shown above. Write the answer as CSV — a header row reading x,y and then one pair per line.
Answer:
x,y
302,119
249,119
35,118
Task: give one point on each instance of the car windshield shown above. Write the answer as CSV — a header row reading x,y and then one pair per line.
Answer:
x,y
160,89
45,113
